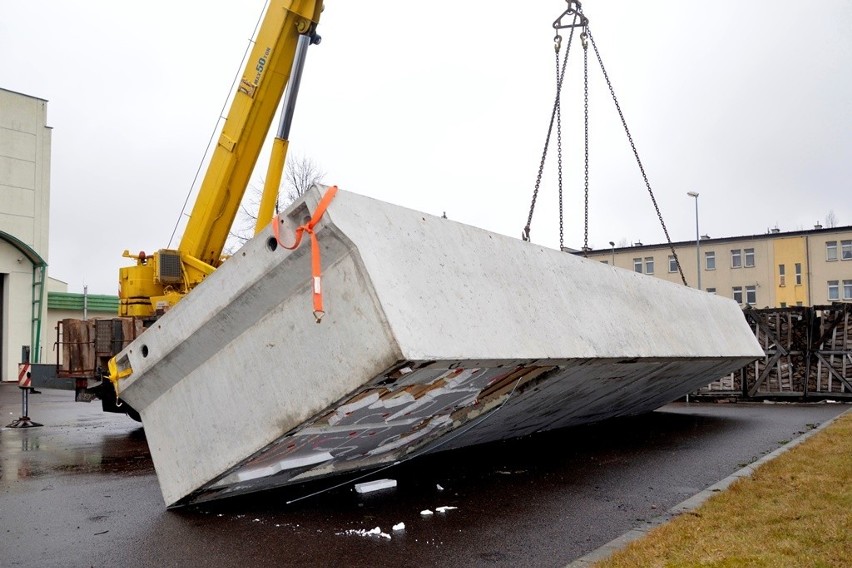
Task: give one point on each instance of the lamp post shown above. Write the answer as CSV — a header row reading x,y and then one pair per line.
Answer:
x,y
612,244
697,238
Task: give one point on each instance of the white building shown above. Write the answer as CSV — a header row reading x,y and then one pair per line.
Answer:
x,y
24,219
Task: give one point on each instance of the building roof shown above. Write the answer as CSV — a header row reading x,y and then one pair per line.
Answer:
x,y
22,94
721,240
73,301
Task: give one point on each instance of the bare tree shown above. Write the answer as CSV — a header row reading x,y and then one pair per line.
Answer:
x,y
831,220
300,174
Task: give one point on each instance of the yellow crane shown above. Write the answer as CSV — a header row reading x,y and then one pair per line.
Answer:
x,y
159,280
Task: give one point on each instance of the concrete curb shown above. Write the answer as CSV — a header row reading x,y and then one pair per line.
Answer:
x,y
693,502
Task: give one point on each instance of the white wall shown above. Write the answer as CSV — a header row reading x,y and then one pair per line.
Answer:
x,y
17,305
24,213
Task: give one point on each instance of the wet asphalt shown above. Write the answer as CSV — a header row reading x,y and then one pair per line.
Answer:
x,y
81,491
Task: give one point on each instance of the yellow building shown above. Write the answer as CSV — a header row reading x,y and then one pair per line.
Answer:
x,y
798,268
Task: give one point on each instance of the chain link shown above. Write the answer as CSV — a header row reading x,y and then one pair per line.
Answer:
x,y
636,154
584,38
560,75
556,116
559,160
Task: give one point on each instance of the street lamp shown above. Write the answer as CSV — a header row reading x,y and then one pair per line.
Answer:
x,y
612,244
697,238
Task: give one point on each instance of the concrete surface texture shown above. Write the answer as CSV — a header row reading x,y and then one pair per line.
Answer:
x,y
81,492
432,327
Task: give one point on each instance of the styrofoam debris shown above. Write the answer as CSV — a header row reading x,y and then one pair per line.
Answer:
x,y
426,512
435,422
439,487
399,527
281,465
445,509
363,532
375,485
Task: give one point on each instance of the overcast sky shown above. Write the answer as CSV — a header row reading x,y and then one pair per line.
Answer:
x,y
443,107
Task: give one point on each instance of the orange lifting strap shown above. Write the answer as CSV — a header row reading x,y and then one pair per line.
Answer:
x,y
316,270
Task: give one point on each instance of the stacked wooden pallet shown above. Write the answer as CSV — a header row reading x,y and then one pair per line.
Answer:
x,y
807,352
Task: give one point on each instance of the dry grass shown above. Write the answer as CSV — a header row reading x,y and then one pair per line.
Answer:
x,y
794,511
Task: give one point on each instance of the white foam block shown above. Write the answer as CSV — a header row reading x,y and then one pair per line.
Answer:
x,y
376,485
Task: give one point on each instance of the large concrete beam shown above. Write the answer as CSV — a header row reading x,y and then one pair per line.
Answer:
x,y
437,335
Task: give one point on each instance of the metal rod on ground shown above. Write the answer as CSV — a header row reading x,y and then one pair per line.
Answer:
x,y
25,384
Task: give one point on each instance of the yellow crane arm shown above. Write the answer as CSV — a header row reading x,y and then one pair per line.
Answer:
x,y
161,279
282,139
246,126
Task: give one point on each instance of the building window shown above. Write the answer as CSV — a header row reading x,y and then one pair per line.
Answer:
x,y
751,295
783,304
799,304
604,262
798,274
672,263
830,250
649,265
711,290
846,250
637,265
736,258
738,294
749,258
833,290
710,260
781,276
847,289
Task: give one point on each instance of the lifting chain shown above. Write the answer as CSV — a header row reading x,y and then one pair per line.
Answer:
x,y
559,153
578,20
585,39
636,154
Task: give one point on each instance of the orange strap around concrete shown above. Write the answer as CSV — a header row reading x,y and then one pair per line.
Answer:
x,y
316,270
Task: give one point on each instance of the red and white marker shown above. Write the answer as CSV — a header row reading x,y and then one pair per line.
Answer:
x,y
24,376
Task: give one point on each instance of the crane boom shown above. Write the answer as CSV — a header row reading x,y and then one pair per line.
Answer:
x,y
158,281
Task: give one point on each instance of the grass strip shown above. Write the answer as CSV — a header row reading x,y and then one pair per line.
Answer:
x,y
794,511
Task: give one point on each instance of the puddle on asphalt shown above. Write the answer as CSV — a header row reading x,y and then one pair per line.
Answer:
x,y
35,453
